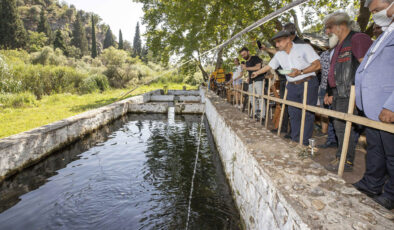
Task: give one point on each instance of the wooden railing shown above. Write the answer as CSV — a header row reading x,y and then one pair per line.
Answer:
x,y
349,117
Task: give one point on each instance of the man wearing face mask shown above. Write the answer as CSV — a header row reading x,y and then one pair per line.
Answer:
x,y
350,49
375,96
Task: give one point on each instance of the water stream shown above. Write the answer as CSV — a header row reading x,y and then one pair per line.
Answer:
x,y
133,174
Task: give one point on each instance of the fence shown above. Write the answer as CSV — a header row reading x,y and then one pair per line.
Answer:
x,y
349,117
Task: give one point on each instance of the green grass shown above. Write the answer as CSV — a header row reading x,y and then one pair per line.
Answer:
x,y
59,106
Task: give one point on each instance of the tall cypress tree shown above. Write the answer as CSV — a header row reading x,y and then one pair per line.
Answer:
x,y
109,39
121,46
59,42
44,27
12,32
137,46
94,44
79,39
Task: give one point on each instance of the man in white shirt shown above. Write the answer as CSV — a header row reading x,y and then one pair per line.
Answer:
x,y
303,62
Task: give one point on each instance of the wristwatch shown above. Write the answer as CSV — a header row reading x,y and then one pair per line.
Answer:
x,y
302,72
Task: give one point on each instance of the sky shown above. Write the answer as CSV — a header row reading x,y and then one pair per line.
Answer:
x,y
118,14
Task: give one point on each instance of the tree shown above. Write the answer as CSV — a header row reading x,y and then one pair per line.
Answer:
x,y
109,39
144,54
43,26
188,30
36,41
12,31
121,46
59,42
137,44
94,43
79,39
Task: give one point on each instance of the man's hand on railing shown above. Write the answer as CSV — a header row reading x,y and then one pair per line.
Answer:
x,y
386,116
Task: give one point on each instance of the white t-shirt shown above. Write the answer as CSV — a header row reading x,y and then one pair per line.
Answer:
x,y
237,72
300,57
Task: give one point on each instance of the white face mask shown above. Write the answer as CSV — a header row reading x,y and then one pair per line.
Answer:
x,y
381,18
333,40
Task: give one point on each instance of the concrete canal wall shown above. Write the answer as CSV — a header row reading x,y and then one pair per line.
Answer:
x,y
276,189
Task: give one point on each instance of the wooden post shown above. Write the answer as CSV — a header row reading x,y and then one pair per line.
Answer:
x,y
262,102
253,102
242,95
267,106
282,111
248,102
304,99
348,130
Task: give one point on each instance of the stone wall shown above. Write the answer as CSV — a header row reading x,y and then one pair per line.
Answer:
x,y
276,189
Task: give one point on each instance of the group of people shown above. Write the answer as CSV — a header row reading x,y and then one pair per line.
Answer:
x,y
352,58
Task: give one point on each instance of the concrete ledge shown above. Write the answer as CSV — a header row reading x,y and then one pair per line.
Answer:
x,y
275,189
189,108
184,93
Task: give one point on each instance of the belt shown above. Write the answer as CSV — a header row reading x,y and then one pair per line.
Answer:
x,y
302,80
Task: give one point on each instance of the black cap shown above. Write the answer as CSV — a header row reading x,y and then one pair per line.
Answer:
x,y
281,34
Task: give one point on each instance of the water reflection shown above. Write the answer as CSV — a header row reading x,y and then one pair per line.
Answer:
x,y
132,174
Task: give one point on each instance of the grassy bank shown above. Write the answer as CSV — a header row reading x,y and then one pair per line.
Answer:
x,y
59,106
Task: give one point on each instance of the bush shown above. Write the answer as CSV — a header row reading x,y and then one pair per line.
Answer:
x,y
45,80
36,41
118,71
25,99
7,83
48,56
93,84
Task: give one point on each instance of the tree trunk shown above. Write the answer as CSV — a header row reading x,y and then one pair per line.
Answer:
x,y
299,33
219,59
363,17
204,73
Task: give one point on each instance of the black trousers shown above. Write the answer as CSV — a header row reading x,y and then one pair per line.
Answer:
x,y
379,173
341,104
285,122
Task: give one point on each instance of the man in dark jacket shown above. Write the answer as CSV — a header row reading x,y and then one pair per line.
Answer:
x,y
350,49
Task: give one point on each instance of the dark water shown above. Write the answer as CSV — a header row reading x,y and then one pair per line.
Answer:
x,y
132,174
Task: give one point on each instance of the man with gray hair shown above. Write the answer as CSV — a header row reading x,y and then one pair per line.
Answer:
x,y
375,96
350,49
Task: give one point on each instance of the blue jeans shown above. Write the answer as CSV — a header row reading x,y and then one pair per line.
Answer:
x,y
295,93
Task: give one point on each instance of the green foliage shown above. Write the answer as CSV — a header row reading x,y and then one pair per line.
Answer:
x,y
25,99
48,56
137,44
45,80
12,31
43,26
115,61
94,44
109,39
120,46
36,41
94,83
59,42
79,39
